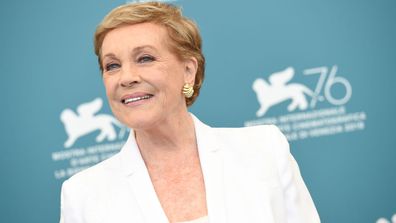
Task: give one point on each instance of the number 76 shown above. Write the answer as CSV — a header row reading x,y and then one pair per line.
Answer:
x,y
332,79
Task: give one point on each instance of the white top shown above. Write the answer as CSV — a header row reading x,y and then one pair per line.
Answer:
x,y
249,175
204,219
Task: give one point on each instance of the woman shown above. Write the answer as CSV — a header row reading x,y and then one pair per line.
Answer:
x,y
174,168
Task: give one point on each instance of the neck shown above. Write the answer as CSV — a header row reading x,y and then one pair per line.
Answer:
x,y
172,138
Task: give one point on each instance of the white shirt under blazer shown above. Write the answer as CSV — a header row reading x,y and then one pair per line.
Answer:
x,y
249,174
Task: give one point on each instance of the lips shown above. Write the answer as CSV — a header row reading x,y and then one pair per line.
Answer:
x,y
128,99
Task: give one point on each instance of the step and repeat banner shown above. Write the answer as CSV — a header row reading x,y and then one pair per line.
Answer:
x,y
323,71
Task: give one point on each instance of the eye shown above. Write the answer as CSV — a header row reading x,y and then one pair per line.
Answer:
x,y
112,66
145,59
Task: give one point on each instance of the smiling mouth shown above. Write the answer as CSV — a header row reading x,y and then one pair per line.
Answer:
x,y
135,99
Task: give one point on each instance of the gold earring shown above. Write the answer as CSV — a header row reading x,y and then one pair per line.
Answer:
x,y
188,90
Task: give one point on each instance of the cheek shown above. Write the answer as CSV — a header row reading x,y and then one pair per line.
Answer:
x,y
172,88
175,82
109,85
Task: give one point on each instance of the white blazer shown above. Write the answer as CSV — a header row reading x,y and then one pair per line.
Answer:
x,y
249,174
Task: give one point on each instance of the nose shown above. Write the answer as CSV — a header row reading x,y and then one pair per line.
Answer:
x,y
129,77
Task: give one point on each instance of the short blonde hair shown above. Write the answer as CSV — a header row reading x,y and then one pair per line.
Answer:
x,y
186,40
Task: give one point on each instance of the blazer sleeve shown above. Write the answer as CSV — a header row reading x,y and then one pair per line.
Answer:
x,y
300,207
70,204
61,220
63,211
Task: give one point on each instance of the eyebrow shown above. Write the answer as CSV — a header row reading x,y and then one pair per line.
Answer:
x,y
141,48
135,51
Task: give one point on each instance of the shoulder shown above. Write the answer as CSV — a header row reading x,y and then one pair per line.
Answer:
x,y
95,176
258,133
85,193
262,130
263,147
261,136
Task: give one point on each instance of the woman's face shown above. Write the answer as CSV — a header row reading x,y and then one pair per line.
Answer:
x,y
142,77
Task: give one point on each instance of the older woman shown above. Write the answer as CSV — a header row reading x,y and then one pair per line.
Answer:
x,y
174,168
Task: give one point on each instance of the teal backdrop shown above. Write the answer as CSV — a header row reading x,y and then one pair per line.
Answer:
x,y
333,63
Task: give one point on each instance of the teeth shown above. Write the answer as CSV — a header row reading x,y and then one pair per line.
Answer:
x,y
129,100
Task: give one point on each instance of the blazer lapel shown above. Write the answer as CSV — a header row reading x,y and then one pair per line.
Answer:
x,y
138,177
211,157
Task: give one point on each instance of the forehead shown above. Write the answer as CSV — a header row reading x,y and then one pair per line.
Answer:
x,y
129,37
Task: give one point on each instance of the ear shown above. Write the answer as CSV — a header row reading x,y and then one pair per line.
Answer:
x,y
190,70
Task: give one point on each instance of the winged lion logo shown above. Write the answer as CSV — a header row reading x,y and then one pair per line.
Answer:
x,y
277,91
85,121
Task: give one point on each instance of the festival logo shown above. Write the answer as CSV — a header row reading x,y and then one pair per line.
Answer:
x,y
278,91
85,122
91,136
303,119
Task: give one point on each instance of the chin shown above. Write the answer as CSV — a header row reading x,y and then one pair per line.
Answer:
x,y
137,121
